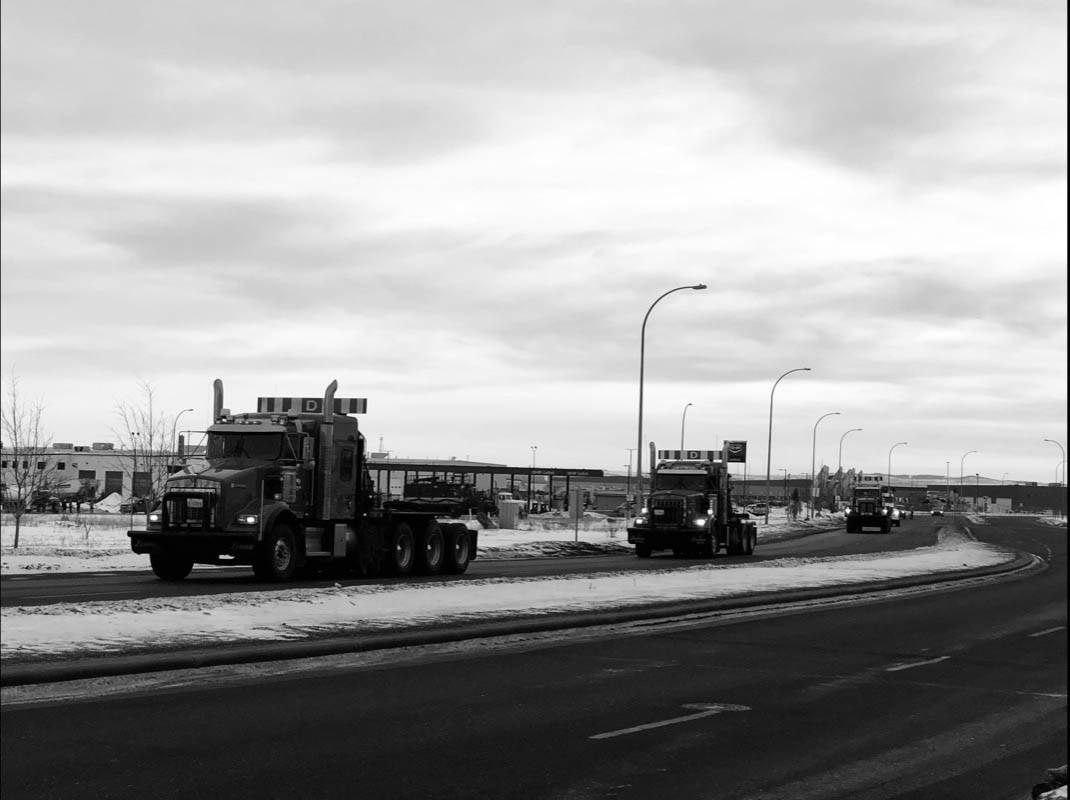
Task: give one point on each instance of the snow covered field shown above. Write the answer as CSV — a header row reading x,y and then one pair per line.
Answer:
x,y
98,628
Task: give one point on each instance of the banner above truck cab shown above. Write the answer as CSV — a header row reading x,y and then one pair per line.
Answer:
x,y
310,405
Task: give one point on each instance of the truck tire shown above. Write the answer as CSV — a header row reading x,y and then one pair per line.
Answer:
x,y
170,566
275,558
402,552
643,550
886,526
430,549
750,541
458,551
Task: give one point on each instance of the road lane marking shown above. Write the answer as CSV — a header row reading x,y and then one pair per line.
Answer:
x,y
706,710
899,667
1056,629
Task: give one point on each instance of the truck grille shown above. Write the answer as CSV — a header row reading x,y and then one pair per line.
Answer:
x,y
189,511
667,511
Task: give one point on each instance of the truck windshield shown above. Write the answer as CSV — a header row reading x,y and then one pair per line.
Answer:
x,y
247,446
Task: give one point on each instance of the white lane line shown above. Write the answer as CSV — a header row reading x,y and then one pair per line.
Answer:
x,y
898,667
707,710
1056,629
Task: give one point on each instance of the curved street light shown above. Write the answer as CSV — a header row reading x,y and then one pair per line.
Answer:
x,y
961,462
769,443
1061,450
683,419
174,428
890,449
642,365
839,462
813,464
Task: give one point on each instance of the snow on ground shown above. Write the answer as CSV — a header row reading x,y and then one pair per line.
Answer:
x,y
97,628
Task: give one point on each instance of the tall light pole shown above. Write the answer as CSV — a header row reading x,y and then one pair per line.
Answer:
x,y
961,462
534,447
1061,450
890,449
813,464
947,483
642,365
174,428
839,463
683,419
769,444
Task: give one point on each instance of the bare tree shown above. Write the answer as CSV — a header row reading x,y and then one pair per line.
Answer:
x,y
32,473
145,433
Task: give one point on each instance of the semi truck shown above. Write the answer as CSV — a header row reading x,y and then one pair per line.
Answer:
x,y
287,488
689,508
868,509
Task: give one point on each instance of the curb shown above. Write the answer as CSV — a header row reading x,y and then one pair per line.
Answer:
x,y
111,666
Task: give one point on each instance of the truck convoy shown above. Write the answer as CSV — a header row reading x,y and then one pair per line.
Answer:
x,y
869,508
288,487
689,509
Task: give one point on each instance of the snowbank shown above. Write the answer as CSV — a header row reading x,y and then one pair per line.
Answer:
x,y
96,628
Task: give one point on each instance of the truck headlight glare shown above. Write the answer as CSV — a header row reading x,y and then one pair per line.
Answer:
x,y
155,517
700,522
248,519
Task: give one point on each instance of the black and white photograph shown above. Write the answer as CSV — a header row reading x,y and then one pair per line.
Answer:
x,y
533,400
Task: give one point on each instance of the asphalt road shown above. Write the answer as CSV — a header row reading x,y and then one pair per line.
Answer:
x,y
46,588
957,694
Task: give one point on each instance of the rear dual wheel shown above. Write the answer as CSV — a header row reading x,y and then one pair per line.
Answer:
x,y
458,551
430,550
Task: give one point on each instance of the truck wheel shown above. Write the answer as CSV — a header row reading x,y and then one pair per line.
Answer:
x,y
402,550
458,551
886,526
750,541
430,550
276,557
643,550
169,566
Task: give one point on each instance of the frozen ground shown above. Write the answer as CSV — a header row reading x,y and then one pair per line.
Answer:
x,y
97,628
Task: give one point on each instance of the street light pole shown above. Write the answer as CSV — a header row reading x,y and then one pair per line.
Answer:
x,y
1061,450
769,443
961,462
947,483
174,428
642,366
683,419
839,463
813,464
897,444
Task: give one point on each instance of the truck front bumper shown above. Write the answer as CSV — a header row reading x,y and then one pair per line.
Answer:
x,y
666,538
202,547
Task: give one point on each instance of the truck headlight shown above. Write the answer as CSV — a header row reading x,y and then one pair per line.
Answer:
x,y
248,519
155,517
700,522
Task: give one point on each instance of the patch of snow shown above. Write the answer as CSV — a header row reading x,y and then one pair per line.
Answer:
x,y
97,628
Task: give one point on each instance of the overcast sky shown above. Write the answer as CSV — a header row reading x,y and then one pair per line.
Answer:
x,y
462,212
